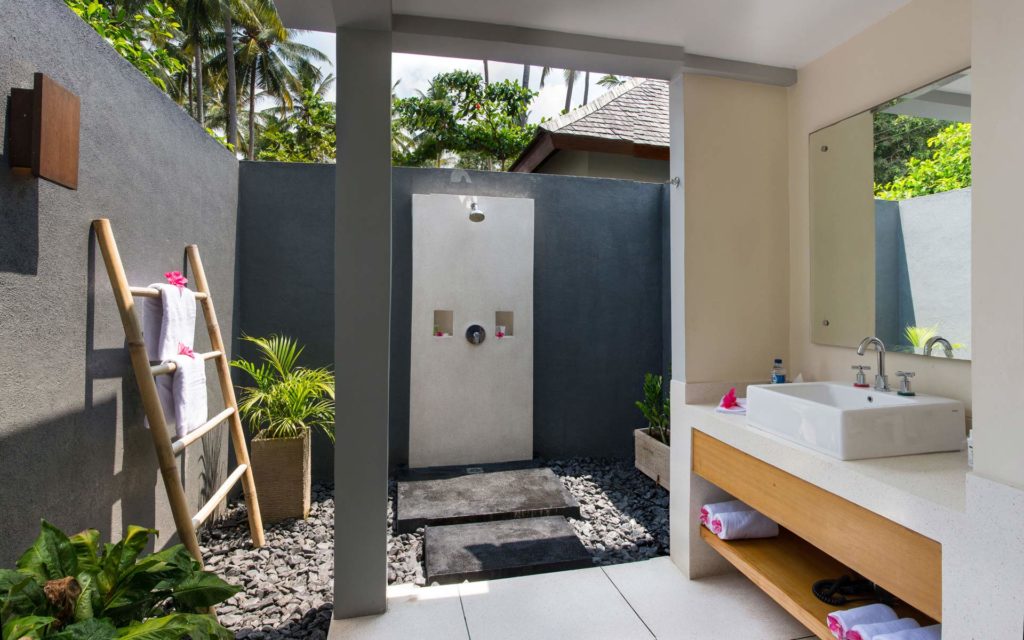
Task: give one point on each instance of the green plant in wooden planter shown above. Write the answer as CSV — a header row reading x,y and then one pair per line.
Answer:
x,y
285,403
69,588
655,407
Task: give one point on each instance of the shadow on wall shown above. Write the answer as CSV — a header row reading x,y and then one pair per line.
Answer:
x,y
19,215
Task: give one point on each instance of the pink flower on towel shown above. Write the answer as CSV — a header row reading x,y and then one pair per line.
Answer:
x,y
186,351
835,627
716,526
854,635
729,399
175,278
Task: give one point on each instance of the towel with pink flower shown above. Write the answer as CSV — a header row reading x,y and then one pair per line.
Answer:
x,y
734,520
878,622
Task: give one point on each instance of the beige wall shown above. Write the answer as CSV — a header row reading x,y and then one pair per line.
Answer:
x,y
997,231
924,41
605,165
736,239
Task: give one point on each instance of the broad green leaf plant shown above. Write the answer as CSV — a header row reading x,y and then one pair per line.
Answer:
x,y
72,588
655,408
287,400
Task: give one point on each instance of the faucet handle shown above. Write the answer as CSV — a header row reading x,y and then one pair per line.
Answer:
x,y
861,380
905,377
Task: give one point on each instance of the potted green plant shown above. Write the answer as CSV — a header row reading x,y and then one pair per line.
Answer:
x,y
651,444
74,588
285,403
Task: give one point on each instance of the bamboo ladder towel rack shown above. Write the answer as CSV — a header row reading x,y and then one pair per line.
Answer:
x,y
145,374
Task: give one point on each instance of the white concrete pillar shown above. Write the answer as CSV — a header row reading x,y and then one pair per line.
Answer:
x,y
362,303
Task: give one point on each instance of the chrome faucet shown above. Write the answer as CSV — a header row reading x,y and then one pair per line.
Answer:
x,y
948,348
881,380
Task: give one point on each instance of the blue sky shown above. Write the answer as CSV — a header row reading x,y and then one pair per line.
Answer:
x,y
415,73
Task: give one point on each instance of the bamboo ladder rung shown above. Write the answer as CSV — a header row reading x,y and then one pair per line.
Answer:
x,y
179,445
218,496
169,367
150,292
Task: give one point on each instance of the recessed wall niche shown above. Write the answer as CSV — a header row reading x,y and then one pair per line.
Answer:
x,y
504,324
444,323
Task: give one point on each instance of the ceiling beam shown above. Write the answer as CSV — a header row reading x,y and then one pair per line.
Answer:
x,y
541,47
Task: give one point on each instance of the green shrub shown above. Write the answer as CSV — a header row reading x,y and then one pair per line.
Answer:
x,y
69,588
655,407
288,400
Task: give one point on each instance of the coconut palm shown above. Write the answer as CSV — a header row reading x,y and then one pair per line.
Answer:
x,y
570,76
197,20
610,81
270,61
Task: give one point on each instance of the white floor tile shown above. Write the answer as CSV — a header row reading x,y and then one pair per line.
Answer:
x,y
423,614
564,606
727,607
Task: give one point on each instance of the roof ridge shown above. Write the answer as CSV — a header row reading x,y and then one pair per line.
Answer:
x,y
582,111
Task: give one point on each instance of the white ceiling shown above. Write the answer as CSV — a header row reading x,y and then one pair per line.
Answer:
x,y
784,33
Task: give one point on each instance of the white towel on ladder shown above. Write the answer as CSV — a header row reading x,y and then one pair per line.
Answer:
x,y
168,321
183,394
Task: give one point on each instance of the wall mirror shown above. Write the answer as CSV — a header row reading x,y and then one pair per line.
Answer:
x,y
890,215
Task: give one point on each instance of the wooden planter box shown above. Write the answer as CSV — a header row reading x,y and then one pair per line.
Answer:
x,y
280,467
652,457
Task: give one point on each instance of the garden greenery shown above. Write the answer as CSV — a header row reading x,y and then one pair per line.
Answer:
x,y
948,168
656,408
71,588
286,400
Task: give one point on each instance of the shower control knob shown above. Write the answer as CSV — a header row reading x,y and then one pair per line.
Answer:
x,y
475,334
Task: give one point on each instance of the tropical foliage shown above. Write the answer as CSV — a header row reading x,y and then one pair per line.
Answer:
x,y
287,400
139,36
73,588
463,120
655,408
215,58
946,167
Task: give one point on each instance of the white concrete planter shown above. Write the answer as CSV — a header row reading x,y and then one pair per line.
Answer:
x,y
281,470
652,457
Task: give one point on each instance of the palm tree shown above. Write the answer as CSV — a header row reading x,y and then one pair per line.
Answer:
x,y
526,84
610,81
570,80
197,19
226,8
271,61
586,87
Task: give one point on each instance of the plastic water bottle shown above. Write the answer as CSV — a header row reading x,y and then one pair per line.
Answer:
x,y
778,372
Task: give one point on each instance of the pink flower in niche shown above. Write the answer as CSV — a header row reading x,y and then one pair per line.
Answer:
x,y
175,278
716,526
186,351
500,334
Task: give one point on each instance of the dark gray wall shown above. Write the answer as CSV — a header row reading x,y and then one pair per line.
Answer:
x,y
72,446
600,290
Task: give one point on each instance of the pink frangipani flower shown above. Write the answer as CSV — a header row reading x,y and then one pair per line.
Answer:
x,y
175,278
186,351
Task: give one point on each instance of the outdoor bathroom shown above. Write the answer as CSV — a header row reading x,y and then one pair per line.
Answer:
x,y
653,320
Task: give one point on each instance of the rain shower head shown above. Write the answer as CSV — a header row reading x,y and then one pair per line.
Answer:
x,y
475,213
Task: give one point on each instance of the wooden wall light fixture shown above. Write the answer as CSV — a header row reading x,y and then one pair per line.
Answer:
x,y
43,124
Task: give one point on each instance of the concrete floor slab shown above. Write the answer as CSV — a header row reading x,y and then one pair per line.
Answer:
x,y
503,549
500,495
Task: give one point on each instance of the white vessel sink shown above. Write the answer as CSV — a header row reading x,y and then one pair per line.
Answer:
x,y
851,423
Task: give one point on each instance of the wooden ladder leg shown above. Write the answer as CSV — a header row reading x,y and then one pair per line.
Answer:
x,y
147,388
228,390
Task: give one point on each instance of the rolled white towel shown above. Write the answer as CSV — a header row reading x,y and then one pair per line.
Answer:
x,y
933,632
708,511
839,622
740,525
876,629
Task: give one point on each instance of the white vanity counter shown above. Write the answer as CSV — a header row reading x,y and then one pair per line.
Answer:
x,y
925,493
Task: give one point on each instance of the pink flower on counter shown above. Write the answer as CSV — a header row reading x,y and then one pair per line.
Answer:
x,y
186,350
175,278
500,334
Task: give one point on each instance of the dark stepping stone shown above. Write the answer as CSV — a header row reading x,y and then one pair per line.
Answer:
x,y
503,549
482,497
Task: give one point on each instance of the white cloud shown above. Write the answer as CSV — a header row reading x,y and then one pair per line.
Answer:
x,y
415,73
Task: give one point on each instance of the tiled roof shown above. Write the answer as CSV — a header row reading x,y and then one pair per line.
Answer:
x,y
636,111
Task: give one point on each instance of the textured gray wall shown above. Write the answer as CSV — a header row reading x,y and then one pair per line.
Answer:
x,y
923,259
600,290
72,446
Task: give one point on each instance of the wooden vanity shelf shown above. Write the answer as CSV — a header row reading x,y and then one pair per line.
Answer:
x,y
823,536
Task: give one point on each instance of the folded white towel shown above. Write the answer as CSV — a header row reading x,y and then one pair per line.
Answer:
x,y
741,525
168,321
876,629
839,622
933,632
740,410
183,394
708,511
